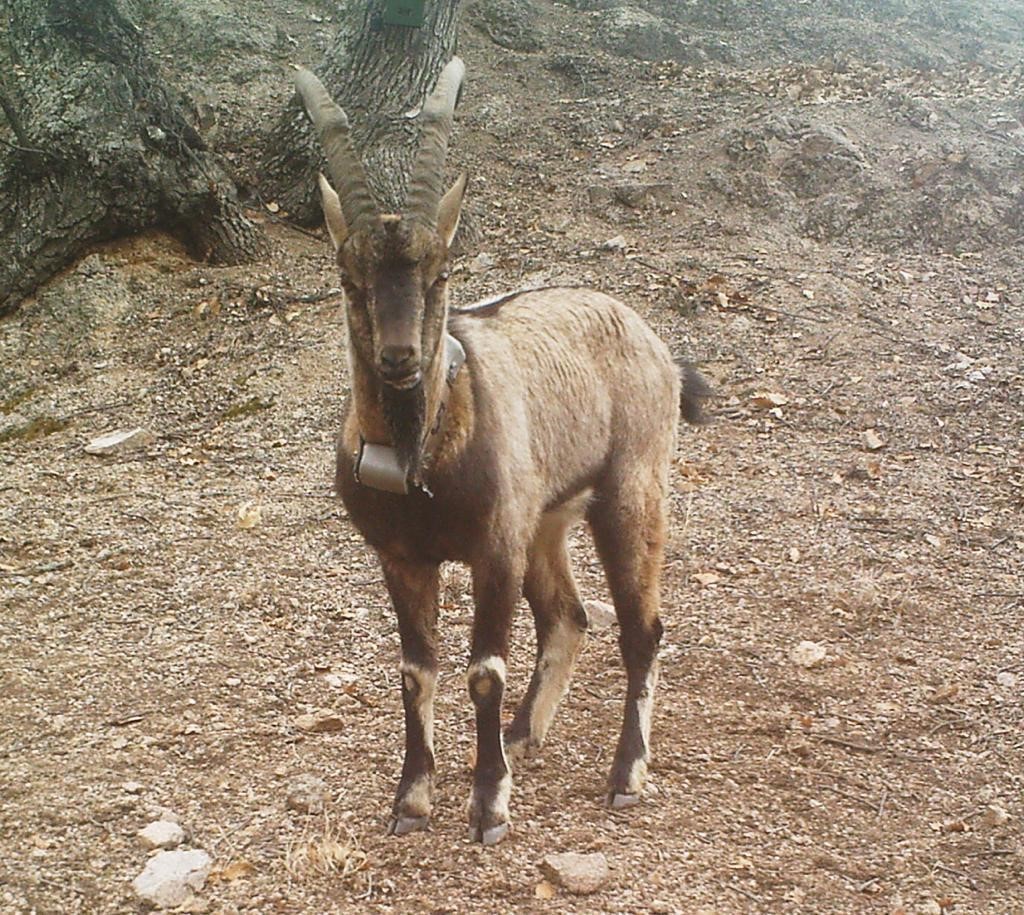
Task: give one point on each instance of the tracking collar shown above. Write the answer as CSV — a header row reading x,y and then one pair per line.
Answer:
x,y
377,466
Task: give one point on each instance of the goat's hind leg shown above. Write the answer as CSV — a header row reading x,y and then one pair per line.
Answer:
x,y
413,587
561,624
629,531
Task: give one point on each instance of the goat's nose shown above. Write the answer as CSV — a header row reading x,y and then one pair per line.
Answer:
x,y
399,362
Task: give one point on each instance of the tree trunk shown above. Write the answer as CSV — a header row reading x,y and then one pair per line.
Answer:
x,y
94,145
379,74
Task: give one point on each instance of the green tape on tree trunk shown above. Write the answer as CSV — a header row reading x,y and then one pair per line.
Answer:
x,y
404,12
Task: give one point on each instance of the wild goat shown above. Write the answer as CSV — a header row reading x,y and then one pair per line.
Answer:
x,y
481,436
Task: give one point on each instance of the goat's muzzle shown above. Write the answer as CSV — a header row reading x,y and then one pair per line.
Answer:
x,y
399,367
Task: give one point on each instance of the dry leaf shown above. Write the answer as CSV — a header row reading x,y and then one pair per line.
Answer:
x,y
249,516
236,870
544,890
765,400
706,578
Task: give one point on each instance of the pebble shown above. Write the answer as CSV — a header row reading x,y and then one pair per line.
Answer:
x,y
120,440
171,877
600,615
482,262
162,834
579,874
808,654
319,722
994,815
307,794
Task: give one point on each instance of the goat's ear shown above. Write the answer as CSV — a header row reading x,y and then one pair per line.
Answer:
x,y
450,209
333,216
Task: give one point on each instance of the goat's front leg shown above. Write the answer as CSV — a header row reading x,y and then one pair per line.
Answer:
x,y
496,591
414,587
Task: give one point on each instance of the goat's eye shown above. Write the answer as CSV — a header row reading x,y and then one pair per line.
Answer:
x,y
442,278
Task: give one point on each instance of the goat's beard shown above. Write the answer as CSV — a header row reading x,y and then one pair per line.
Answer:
x,y
405,414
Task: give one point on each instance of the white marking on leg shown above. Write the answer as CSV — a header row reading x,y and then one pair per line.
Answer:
x,y
424,683
645,705
645,711
416,802
554,667
488,670
491,666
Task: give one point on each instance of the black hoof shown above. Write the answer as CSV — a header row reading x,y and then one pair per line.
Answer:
x,y
619,801
490,836
401,826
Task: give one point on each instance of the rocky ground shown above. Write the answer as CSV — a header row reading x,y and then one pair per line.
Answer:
x,y
826,211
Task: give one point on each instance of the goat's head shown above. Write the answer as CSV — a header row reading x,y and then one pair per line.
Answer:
x,y
393,267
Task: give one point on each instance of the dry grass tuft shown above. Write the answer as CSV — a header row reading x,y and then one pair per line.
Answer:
x,y
334,851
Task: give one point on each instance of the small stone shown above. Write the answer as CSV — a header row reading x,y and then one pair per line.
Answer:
x,y
162,834
171,877
579,874
482,263
618,243
600,615
120,440
1007,679
994,815
872,440
307,794
132,787
158,812
320,722
808,654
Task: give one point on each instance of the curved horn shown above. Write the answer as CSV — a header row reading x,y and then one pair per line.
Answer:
x,y
331,125
427,176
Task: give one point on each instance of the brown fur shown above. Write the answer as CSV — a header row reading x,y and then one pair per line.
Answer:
x,y
567,404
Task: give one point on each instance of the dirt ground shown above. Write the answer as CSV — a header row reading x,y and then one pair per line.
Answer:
x,y
826,212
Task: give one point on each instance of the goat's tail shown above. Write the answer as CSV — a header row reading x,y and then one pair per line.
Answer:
x,y
695,390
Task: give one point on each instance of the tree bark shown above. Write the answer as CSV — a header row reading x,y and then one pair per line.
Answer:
x,y
94,145
379,74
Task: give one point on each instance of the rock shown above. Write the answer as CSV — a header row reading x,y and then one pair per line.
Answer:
x,y
157,812
307,794
482,262
808,654
171,877
162,834
579,874
637,195
132,787
511,24
120,440
618,243
1006,679
600,615
320,722
632,32
872,440
994,815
